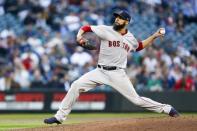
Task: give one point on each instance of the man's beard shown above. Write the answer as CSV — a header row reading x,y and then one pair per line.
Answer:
x,y
118,27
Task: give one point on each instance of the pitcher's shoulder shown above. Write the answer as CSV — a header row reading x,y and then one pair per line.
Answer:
x,y
106,26
103,27
129,34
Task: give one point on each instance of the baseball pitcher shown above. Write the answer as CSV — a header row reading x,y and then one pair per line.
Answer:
x,y
116,43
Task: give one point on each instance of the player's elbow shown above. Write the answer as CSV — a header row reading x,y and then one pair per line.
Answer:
x,y
140,46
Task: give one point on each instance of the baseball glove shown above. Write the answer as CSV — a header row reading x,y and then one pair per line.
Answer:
x,y
86,44
89,46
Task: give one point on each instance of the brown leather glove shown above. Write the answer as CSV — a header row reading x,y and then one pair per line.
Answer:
x,y
86,44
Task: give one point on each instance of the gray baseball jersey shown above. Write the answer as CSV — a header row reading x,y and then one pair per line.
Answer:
x,y
114,47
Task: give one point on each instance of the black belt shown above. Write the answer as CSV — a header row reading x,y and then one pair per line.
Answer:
x,y
108,67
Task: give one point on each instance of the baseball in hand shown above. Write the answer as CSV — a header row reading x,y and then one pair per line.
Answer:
x,y
162,31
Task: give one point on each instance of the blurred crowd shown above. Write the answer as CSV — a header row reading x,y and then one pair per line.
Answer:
x,y
38,49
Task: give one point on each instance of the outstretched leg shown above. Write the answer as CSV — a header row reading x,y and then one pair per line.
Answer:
x,y
122,84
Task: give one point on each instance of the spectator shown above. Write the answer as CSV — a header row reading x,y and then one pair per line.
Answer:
x,y
37,80
21,76
80,57
30,60
72,21
5,79
154,83
150,63
185,84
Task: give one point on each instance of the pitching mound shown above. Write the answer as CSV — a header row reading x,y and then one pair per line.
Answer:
x,y
188,123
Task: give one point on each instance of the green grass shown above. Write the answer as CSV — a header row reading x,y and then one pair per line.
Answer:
x,y
18,121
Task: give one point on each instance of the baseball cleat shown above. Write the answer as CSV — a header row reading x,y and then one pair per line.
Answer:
x,y
52,120
174,113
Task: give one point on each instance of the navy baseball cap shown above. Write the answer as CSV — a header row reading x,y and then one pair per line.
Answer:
x,y
123,14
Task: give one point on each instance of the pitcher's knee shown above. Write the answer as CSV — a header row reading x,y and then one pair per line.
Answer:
x,y
77,86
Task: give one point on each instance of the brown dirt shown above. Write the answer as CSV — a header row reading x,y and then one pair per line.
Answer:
x,y
185,123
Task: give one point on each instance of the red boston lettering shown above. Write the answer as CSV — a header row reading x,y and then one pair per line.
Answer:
x,y
118,43
126,47
110,43
114,43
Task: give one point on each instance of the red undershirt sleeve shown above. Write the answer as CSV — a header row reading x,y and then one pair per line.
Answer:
x,y
86,28
140,47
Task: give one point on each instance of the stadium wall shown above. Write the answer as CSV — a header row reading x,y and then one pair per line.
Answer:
x,y
48,101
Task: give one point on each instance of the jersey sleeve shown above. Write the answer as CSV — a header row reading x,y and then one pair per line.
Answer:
x,y
134,43
99,30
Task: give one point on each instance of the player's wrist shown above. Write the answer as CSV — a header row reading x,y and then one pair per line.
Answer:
x,y
79,37
154,36
79,34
